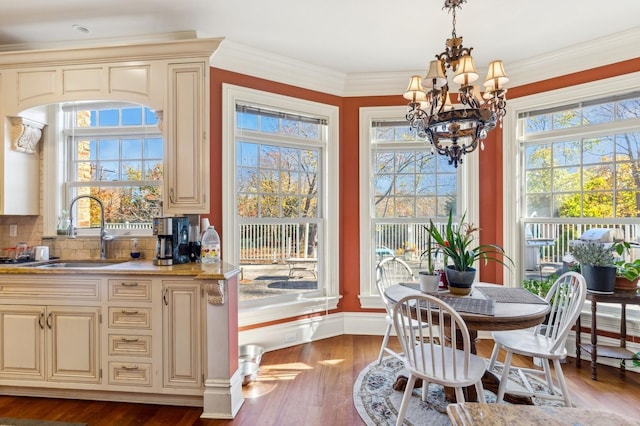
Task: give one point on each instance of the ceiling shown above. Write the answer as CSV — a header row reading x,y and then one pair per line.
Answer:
x,y
346,36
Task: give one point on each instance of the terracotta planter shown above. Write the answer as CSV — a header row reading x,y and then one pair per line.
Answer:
x,y
623,284
460,282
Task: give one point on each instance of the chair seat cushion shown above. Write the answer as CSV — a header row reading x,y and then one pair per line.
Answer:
x,y
526,343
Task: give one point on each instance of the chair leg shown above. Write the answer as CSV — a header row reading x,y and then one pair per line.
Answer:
x,y
406,397
547,374
561,381
459,395
505,377
425,390
385,340
494,356
480,392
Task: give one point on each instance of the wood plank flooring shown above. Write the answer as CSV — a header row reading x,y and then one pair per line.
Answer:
x,y
310,384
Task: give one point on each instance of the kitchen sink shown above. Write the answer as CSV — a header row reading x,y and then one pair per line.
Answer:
x,y
79,264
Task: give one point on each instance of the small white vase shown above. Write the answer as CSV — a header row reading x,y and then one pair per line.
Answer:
x,y
428,283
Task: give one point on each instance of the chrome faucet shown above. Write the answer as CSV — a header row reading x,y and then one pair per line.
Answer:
x,y
104,237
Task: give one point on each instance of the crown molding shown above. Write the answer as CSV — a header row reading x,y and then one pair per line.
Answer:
x,y
595,53
246,60
98,53
236,57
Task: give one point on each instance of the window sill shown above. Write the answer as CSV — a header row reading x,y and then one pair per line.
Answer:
x,y
289,309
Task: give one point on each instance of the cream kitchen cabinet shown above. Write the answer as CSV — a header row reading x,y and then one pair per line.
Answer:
x,y
50,343
186,178
182,348
132,358
171,78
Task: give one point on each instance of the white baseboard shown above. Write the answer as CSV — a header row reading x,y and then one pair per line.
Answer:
x,y
371,323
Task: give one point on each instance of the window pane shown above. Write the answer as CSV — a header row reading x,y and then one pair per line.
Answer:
x,y
131,148
108,149
132,116
109,117
597,150
566,153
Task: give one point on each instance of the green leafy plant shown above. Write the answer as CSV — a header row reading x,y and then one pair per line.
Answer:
x,y
540,286
456,243
428,252
629,270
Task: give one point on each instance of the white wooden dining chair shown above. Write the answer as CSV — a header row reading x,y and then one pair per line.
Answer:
x,y
425,355
546,341
390,271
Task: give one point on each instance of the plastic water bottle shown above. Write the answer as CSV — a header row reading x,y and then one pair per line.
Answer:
x,y
210,246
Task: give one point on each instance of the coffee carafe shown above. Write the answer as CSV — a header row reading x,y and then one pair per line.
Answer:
x,y
163,229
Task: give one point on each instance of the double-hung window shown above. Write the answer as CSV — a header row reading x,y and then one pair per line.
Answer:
x,y
578,156
114,152
281,199
403,185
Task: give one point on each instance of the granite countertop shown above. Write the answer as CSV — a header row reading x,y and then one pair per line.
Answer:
x,y
477,414
218,271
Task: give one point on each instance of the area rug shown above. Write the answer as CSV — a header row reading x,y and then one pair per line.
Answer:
x,y
377,402
8,421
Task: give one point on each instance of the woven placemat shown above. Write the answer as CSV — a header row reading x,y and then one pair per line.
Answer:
x,y
470,304
511,295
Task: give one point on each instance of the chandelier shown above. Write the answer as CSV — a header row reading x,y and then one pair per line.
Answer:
x,y
456,131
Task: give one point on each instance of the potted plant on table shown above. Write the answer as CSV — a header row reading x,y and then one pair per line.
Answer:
x,y
627,273
429,278
597,265
455,244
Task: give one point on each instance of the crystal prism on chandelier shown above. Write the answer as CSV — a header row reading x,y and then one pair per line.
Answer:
x,y
456,131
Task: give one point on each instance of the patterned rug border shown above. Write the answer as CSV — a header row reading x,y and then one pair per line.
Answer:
x,y
377,403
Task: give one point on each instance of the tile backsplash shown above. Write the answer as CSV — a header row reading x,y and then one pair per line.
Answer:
x,y
29,230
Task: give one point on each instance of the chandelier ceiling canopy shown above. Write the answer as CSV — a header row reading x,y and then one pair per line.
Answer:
x,y
456,130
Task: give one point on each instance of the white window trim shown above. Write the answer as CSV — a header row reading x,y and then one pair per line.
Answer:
x,y
278,308
512,166
467,196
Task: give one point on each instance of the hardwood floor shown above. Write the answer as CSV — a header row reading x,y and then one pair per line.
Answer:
x,y
310,384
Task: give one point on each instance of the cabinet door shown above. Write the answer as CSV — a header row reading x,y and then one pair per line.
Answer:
x,y
73,334
186,164
182,333
22,338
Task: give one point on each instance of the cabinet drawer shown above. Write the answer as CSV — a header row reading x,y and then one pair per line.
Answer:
x,y
127,345
130,290
130,373
45,289
120,317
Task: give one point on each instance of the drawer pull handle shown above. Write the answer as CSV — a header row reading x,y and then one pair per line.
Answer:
x,y
129,284
130,367
130,312
129,339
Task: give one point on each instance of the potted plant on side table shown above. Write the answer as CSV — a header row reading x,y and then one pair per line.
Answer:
x,y
456,244
627,272
596,265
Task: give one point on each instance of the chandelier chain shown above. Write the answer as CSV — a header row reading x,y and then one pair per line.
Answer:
x,y
455,131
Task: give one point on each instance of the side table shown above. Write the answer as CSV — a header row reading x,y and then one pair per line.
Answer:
x,y
623,298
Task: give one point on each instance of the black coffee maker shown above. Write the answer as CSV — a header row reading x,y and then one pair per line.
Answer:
x,y
172,246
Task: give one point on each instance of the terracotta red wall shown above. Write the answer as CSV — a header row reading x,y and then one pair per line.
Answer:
x,y
491,173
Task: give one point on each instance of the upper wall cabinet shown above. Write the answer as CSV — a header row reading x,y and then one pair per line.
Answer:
x,y
186,183
171,78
